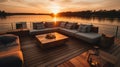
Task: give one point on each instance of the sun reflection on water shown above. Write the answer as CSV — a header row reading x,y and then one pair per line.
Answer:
x,y
55,19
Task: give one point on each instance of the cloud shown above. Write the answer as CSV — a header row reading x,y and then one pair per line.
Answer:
x,y
63,1
51,0
1,1
66,5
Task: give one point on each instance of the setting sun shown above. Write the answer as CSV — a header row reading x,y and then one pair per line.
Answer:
x,y
55,9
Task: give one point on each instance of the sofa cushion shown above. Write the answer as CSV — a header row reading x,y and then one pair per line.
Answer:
x,y
49,24
84,28
68,32
7,39
41,31
35,24
62,24
40,25
89,37
70,25
12,59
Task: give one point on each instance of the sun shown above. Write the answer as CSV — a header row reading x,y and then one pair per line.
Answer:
x,y
55,9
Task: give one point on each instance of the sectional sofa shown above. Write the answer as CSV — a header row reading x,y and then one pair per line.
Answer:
x,y
87,33
10,52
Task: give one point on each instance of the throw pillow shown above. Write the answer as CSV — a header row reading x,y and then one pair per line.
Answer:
x,y
34,25
80,28
62,24
106,41
69,26
49,24
89,28
7,39
84,28
40,26
74,26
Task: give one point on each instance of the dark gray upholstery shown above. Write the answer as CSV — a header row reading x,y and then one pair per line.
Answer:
x,y
40,26
21,25
63,24
90,36
49,24
70,25
5,39
11,54
68,32
37,24
41,31
84,28
13,59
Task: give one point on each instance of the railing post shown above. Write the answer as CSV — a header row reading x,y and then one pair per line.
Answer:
x,y
116,33
30,25
12,25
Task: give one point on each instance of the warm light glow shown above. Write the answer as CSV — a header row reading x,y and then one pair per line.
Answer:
x,y
55,9
55,19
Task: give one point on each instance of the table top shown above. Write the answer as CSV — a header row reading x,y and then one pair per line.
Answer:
x,y
42,38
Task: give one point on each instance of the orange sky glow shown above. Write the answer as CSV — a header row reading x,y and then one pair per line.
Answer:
x,y
55,6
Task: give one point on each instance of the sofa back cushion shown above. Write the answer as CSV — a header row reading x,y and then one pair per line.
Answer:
x,y
36,24
21,25
70,25
7,39
62,24
84,28
40,26
49,24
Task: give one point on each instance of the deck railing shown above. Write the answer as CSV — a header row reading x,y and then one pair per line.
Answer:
x,y
103,28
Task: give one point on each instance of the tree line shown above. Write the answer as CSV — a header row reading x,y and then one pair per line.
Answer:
x,y
90,13
3,13
83,14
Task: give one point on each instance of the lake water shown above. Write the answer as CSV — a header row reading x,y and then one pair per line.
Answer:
x,y
106,25
37,18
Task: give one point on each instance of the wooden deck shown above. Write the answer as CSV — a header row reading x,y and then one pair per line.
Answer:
x,y
81,60
68,55
35,56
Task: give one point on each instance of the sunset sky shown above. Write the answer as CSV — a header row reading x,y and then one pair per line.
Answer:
x,y
48,6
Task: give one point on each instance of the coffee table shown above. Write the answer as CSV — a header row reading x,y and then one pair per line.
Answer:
x,y
46,43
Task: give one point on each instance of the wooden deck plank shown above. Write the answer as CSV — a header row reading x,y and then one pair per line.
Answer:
x,y
81,59
76,63
33,56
